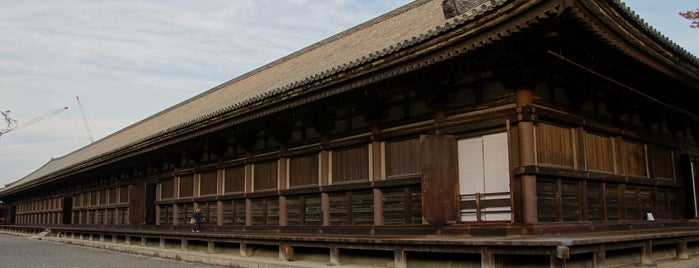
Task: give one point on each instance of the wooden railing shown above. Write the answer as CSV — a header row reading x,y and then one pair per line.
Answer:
x,y
481,207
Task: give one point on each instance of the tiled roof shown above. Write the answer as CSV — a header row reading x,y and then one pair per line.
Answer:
x,y
655,33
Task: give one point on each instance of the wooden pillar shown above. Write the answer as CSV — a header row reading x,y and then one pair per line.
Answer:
x,y
286,252
527,157
175,220
334,256
220,177
325,180
378,207
248,212
559,256
557,262
219,212
157,215
211,247
184,245
647,254
283,185
376,159
325,206
682,253
248,189
400,258
600,257
376,153
243,249
283,219
487,258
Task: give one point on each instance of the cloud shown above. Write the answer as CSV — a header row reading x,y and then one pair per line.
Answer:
x,y
130,59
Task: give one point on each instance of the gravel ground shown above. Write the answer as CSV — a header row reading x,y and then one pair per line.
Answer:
x,y
23,252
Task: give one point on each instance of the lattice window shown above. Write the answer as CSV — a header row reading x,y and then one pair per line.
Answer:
x,y
93,198
209,211
166,215
402,205
234,212
613,202
112,195
304,210
632,199
663,162
234,179
554,145
167,189
123,194
402,158
103,197
208,183
599,153
184,213
265,176
594,199
546,200
265,211
187,186
350,164
634,155
303,170
352,207
570,201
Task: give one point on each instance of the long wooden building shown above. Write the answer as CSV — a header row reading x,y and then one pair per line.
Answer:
x,y
484,133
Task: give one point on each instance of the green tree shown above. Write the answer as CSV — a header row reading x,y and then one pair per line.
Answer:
x,y
692,15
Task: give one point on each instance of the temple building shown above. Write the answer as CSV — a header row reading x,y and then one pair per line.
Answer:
x,y
500,133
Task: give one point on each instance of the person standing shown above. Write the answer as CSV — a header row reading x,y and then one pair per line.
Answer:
x,y
196,219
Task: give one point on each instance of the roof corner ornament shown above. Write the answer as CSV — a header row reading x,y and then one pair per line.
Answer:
x,y
453,8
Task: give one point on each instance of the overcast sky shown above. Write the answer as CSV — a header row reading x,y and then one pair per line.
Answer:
x,y
127,60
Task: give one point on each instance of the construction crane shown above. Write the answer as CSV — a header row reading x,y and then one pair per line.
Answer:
x,y
12,124
87,127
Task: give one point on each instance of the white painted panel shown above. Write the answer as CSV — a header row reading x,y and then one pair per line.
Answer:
x,y
497,173
496,163
484,168
471,178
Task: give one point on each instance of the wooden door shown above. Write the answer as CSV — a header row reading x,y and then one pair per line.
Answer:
x,y
137,201
67,209
440,181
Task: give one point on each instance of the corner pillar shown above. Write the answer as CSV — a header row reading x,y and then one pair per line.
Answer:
x,y
527,155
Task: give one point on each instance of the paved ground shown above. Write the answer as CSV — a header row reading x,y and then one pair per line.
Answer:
x,y
24,252
679,264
